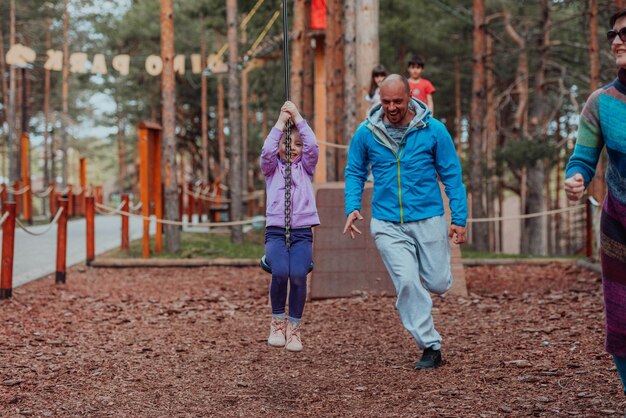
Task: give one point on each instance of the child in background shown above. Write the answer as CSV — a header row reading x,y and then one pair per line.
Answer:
x,y
378,75
421,89
289,265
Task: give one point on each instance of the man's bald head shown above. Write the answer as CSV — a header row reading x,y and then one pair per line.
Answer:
x,y
395,96
393,80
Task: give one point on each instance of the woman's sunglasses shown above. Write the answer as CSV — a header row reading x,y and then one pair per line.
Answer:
x,y
612,34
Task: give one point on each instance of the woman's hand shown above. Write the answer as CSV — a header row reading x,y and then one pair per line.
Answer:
x,y
574,187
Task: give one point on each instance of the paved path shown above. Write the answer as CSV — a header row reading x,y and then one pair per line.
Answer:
x,y
35,256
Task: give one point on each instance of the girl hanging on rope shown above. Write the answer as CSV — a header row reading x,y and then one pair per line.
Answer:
x,y
289,263
603,122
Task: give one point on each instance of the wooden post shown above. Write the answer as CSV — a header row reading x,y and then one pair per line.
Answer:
x,y
90,214
157,188
52,200
588,229
8,246
181,206
191,202
125,208
144,189
83,186
3,192
200,203
27,199
320,108
62,241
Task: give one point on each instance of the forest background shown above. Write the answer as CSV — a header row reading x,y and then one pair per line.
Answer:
x,y
511,79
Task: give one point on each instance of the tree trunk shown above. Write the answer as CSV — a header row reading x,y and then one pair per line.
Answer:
x,y
168,117
458,116
350,81
534,228
334,84
12,141
490,133
221,142
234,119
244,120
480,230
5,102
65,94
46,110
597,188
367,49
204,122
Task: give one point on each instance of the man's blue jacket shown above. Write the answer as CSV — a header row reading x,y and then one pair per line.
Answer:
x,y
406,187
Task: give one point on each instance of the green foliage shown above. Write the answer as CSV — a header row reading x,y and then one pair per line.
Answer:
x,y
525,153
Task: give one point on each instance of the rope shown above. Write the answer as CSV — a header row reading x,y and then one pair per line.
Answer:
x,y
526,216
134,208
248,196
102,208
18,192
243,24
50,225
43,194
4,217
263,33
333,145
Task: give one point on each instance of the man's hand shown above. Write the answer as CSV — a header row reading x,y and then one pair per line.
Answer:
x,y
458,233
574,187
355,215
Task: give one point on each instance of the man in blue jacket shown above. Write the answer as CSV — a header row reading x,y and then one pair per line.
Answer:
x,y
407,151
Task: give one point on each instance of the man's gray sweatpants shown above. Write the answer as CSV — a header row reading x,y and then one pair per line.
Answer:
x,y
417,257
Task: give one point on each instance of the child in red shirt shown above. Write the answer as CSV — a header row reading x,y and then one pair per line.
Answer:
x,y
421,89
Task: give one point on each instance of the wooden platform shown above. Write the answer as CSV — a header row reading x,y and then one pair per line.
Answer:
x,y
345,267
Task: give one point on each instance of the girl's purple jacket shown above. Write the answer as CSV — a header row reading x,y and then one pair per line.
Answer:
x,y
303,209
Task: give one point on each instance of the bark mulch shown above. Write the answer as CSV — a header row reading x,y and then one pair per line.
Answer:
x,y
528,341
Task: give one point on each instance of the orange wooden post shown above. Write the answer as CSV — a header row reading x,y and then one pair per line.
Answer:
x,y
90,217
157,189
27,197
8,247
125,208
99,195
144,188
3,192
19,199
218,200
191,202
83,186
70,202
62,241
52,201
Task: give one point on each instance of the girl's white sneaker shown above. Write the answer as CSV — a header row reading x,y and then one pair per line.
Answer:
x,y
277,333
294,341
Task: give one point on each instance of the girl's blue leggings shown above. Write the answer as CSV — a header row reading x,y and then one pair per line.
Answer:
x,y
620,363
288,266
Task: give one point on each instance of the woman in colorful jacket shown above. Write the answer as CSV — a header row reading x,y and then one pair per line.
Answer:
x,y
603,123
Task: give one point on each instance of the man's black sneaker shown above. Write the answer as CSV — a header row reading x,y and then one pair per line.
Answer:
x,y
430,359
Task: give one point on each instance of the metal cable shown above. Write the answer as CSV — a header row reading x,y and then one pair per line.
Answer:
x,y
50,225
288,132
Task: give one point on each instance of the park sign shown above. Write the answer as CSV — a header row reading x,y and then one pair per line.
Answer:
x,y
20,55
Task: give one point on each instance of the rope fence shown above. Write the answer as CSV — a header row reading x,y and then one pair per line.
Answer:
x,y
526,216
202,196
49,226
18,191
105,209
